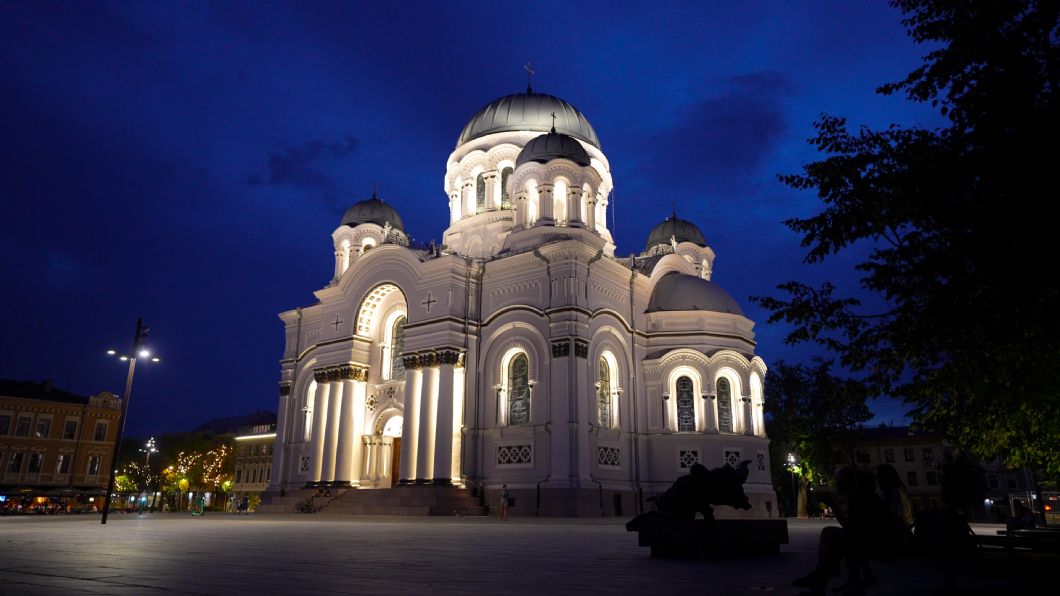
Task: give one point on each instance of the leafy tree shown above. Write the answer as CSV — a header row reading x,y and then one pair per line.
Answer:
x,y
953,225
809,410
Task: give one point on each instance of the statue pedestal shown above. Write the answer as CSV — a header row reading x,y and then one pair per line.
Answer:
x,y
670,537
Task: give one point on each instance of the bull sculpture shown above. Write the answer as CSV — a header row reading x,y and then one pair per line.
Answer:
x,y
672,530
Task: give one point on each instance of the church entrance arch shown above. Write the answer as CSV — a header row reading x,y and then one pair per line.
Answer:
x,y
384,459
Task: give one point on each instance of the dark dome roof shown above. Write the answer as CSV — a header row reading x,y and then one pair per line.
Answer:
x,y
682,230
374,211
554,145
677,291
528,111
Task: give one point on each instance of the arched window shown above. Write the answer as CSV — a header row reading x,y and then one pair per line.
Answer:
x,y
480,194
519,391
686,407
724,405
603,394
397,346
505,200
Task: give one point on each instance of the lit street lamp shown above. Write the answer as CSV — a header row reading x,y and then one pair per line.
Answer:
x,y
148,449
138,353
794,491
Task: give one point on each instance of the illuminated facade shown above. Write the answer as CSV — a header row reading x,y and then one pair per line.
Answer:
x,y
55,443
520,350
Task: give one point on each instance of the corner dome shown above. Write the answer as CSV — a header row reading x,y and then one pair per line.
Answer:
x,y
554,145
677,291
681,230
528,111
372,210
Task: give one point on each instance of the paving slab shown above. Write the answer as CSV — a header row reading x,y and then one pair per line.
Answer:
x,y
343,554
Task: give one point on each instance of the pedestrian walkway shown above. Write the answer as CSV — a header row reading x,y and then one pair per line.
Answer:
x,y
340,554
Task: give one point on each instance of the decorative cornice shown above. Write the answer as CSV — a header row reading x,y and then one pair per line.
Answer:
x,y
340,372
436,357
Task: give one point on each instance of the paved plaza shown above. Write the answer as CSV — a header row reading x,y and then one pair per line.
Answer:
x,y
319,554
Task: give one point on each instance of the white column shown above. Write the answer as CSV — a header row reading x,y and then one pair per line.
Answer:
x,y
712,412
443,437
339,269
425,442
455,210
345,457
331,438
493,198
545,205
468,193
574,211
590,213
748,423
320,410
667,422
360,393
413,379
373,457
369,462
281,440
521,211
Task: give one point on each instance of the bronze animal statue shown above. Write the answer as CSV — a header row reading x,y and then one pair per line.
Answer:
x,y
696,491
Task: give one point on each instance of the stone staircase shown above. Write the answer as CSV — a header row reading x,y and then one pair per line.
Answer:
x,y
400,500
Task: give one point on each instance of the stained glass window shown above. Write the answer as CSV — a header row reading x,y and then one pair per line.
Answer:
x,y
397,346
686,409
724,405
505,202
480,194
519,391
603,394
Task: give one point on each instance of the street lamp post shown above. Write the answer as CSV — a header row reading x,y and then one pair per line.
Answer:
x,y
148,449
794,490
137,353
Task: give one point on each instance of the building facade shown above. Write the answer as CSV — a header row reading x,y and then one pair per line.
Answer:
x,y
253,461
55,443
521,350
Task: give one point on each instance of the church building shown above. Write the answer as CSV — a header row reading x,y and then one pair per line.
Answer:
x,y
520,351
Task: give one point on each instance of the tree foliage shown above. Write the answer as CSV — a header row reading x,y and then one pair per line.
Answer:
x,y
956,222
809,409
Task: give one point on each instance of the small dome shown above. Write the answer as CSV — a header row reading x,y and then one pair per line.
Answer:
x,y
372,210
681,230
554,145
677,291
528,111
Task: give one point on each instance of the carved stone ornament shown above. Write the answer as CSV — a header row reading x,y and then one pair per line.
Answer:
x,y
428,359
581,348
410,362
335,374
285,389
561,349
320,375
448,356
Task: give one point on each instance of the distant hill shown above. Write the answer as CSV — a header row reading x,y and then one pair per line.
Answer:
x,y
230,425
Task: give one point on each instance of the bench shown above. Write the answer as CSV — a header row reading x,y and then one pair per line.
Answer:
x,y
670,537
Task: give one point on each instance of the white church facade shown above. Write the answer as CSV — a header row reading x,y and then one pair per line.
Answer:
x,y
520,351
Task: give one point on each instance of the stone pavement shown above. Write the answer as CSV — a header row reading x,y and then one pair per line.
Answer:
x,y
322,554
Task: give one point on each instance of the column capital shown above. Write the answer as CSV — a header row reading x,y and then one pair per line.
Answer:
x,y
285,389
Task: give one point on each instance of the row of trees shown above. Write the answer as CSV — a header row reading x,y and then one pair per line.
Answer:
x,y
184,462
954,227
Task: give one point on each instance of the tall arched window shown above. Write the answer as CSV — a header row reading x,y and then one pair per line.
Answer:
x,y
480,194
603,394
686,408
724,405
505,201
397,346
519,391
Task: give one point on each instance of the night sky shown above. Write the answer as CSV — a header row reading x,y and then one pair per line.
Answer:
x,y
187,162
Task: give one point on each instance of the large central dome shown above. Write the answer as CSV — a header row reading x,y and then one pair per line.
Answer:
x,y
529,111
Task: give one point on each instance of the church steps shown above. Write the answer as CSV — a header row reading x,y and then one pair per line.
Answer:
x,y
414,500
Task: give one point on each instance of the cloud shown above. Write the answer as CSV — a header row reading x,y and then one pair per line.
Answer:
x,y
719,142
304,167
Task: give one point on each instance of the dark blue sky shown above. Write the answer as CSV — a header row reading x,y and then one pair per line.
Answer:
x,y
188,161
